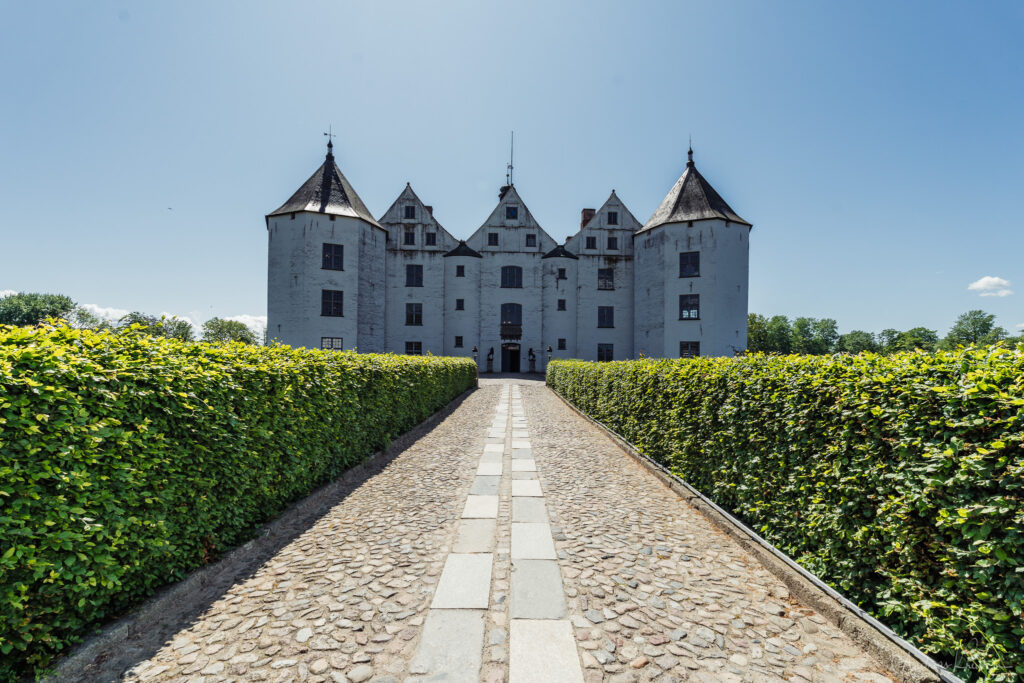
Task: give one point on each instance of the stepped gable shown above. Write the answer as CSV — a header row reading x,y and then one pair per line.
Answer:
x,y
328,192
692,199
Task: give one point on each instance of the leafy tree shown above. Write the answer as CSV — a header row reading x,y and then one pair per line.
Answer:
x,y
857,341
917,338
32,309
888,340
815,337
163,326
82,319
221,330
780,335
974,327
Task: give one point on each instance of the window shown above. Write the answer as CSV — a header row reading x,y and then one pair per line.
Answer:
x,y
334,257
561,344
511,212
531,240
414,314
511,314
689,264
430,239
410,212
606,316
689,349
413,275
689,306
492,239
414,348
604,352
613,218
512,276
335,343
460,271
561,274
561,304
410,237
460,304
332,303
613,243
458,342
332,217
591,242
606,278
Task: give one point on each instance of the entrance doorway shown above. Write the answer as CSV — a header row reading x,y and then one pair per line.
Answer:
x,y
510,357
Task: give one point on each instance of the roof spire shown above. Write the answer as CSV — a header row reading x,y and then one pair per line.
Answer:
x,y
330,144
689,153
511,156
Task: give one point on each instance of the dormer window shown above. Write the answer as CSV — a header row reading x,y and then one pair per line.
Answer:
x,y
613,218
531,240
410,212
511,213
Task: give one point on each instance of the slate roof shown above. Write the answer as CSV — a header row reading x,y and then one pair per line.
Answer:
x,y
463,249
692,199
328,192
560,252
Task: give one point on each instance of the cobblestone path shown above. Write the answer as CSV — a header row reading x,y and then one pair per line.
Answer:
x,y
512,542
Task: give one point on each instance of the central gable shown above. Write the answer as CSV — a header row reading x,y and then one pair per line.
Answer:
x,y
514,225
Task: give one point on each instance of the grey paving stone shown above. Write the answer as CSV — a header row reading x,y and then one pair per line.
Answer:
x,y
451,646
529,510
543,650
465,582
537,591
526,488
476,536
480,507
520,434
522,453
532,541
489,468
524,465
494,448
496,433
491,457
485,486
520,443
524,475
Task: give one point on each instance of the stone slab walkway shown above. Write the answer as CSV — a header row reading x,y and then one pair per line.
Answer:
x,y
513,542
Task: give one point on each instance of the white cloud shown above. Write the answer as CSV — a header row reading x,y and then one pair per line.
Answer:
x,y
6,292
1020,326
187,319
106,313
990,285
256,323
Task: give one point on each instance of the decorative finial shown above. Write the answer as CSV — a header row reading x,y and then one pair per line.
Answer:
x,y
330,143
689,153
509,178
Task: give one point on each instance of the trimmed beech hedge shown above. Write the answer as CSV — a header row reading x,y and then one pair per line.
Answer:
x,y
896,479
127,461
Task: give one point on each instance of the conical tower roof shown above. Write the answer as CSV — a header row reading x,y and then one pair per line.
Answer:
x,y
692,199
328,192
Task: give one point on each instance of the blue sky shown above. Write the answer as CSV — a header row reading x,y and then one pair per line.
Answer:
x,y
877,147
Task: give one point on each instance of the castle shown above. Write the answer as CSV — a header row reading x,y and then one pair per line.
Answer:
x,y
675,286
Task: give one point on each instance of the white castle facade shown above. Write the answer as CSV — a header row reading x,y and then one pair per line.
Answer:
x,y
675,286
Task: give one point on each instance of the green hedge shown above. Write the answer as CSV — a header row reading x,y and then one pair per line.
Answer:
x,y
127,461
896,479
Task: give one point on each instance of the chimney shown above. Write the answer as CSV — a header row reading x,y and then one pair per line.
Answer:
x,y
585,216
429,209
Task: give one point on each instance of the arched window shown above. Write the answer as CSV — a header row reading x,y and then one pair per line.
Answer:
x,y
512,276
511,314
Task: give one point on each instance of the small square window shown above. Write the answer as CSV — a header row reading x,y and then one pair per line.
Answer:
x,y
561,304
604,352
511,212
689,349
332,217
460,271
458,342
414,348
606,278
562,275
332,303
492,239
332,343
613,243
410,237
460,304
531,240
413,275
613,218
689,264
591,242
414,314
606,316
430,239
689,306
561,344
512,276
410,212
333,257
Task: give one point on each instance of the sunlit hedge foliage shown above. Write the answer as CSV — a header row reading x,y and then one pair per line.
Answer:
x,y
897,479
128,460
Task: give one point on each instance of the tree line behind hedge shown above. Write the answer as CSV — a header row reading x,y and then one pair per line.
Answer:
x,y
131,459
820,336
897,479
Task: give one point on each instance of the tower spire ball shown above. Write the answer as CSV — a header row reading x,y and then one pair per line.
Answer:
x,y
330,144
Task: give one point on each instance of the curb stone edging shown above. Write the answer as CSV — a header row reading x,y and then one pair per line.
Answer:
x,y
902,658
136,636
